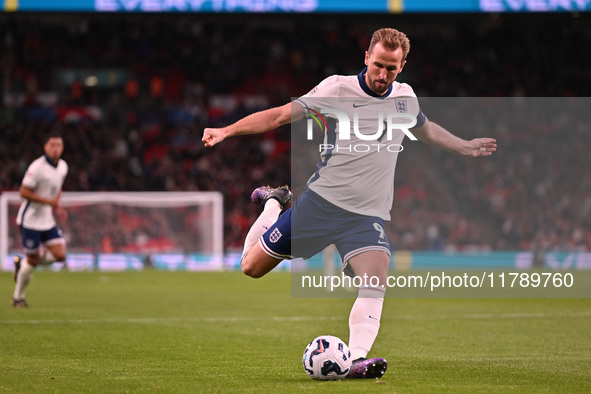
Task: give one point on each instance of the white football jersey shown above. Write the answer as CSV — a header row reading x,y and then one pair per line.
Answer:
x,y
46,180
358,159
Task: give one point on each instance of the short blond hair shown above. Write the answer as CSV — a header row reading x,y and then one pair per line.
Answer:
x,y
391,39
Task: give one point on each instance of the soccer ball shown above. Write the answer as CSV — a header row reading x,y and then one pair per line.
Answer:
x,y
327,358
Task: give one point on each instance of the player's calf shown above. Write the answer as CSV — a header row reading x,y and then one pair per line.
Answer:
x,y
17,266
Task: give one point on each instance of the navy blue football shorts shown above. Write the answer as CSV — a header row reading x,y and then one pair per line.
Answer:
x,y
32,239
313,223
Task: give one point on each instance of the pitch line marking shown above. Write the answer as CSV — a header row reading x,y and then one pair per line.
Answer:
x,y
235,319
149,320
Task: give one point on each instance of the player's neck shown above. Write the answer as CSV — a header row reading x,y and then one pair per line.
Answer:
x,y
52,161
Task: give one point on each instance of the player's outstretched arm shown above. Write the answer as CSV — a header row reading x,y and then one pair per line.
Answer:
x,y
433,134
256,123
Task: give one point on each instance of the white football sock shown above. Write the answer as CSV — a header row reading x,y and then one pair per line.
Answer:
x,y
267,218
22,279
364,321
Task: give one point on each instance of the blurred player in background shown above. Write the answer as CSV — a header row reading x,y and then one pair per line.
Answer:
x,y
341,185
41,189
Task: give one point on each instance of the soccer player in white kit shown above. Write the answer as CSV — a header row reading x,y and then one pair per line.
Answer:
x,y
355,199
41,190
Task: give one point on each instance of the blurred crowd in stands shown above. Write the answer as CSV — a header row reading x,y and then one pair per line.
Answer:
x,y
131,95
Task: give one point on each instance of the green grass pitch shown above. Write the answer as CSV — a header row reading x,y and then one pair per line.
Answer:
x,y
181,332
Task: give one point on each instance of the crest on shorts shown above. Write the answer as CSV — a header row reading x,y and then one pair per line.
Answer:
x,y
401,105
275,235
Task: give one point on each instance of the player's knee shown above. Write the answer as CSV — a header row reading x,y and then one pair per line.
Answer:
x,y
33,259
251,269
59,254
60,257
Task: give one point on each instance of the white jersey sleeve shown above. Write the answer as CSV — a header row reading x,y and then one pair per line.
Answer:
x,y
322,95
329,87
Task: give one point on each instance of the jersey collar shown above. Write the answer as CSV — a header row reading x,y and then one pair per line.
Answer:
x,y
366,89
51,163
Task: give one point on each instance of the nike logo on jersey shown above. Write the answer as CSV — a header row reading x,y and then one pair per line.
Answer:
x,y
373,318
359,105
382,242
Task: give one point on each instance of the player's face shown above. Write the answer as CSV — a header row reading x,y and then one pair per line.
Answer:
x,y
383,66
54,148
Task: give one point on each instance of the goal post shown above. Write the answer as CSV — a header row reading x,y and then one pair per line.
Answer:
x,y
136,223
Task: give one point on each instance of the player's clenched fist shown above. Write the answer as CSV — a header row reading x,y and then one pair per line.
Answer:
x,y
213,136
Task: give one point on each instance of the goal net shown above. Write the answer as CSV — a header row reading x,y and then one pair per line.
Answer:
x,y
112,230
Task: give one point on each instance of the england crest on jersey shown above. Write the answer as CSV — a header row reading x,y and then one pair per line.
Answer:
x,y
275,235
401,105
